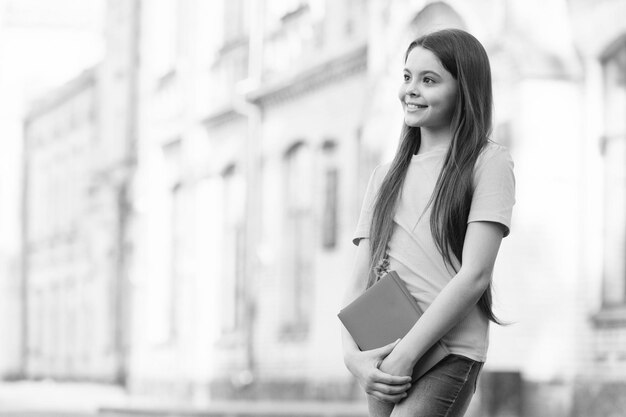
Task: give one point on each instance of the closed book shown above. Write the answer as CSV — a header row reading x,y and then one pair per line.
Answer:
x,y
384,313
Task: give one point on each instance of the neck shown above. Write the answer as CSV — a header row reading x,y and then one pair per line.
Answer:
x,y
434,138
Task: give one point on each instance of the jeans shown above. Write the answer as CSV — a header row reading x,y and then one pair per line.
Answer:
x,y
444,391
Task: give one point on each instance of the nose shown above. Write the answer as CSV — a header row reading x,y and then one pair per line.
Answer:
x,y
412,90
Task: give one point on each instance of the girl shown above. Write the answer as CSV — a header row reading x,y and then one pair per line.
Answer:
x,y
436,214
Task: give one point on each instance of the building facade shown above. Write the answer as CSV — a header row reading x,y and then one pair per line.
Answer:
x,y
77,220
67,305
238,137
296,108
37,53
601,40
229,227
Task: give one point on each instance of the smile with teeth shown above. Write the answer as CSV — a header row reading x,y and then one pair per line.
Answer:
x,y
411,106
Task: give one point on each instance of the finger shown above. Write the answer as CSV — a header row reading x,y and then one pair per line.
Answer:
x,y
388,398
380,376
390,389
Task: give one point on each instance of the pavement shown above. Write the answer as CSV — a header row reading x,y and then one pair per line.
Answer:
x,y
55,399
49,398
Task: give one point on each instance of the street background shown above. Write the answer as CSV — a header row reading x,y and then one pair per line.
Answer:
x,y
180,180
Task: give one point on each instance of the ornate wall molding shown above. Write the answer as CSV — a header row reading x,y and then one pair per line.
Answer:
x,y
313,79
223,116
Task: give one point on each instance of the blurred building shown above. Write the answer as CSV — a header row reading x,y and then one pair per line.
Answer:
x,y
78,162
34,35
65,307
238,137
238,190
600,36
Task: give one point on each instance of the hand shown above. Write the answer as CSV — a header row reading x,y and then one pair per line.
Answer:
x,y
380,385
396,364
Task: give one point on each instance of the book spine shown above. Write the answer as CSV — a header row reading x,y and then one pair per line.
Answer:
x,y
405,291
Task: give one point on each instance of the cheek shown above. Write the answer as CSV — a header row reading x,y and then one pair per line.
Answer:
x,y
401,93
450,101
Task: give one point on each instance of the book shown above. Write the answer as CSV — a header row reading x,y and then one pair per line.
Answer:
x,y
384,313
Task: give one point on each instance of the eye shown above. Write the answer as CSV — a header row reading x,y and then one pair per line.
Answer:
x,y
428,80
406,77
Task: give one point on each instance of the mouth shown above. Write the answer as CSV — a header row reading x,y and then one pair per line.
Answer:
x,y
414,106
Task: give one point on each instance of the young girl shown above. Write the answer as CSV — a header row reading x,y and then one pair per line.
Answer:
x,y
436,214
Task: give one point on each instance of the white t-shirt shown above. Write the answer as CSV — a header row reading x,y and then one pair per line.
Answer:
x,y
412,250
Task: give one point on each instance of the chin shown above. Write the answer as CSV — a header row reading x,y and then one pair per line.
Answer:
x,y
412,123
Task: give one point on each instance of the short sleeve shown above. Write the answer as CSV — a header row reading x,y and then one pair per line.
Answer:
x,y
494,188
367,209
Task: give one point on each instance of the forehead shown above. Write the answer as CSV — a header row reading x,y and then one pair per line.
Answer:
x,y
421,59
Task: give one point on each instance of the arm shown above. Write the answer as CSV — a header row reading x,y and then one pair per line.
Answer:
x,y
480,249
364,365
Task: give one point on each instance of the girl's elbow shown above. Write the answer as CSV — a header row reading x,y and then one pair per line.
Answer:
x,y
480,278
483,280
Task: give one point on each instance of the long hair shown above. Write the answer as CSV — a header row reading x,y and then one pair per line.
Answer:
x,y
465,58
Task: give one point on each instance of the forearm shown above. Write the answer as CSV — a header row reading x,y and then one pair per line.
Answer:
x,y
454,302
348,343
451,305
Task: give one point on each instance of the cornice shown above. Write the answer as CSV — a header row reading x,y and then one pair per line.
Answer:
x,y
59,96
610,317
221,116
312,79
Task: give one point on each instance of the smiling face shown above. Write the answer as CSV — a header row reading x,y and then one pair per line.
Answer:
x,y
428,93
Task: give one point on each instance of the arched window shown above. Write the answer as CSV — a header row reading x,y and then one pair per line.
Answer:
x,y
177,235
298,240
614,152
233,196
331,189
172,152
235,17
436,16
167,15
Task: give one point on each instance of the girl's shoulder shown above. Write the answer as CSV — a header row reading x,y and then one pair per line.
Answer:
x,y
494,161
493,151
380,171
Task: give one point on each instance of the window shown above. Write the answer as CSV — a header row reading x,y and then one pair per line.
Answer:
x,y
36,324
168,34
56,304
331,180
437,15
298,240
176,251
614,152
174,232
355,17
235,22
233,249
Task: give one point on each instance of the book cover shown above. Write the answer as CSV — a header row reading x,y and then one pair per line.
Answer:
x,y
385,313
